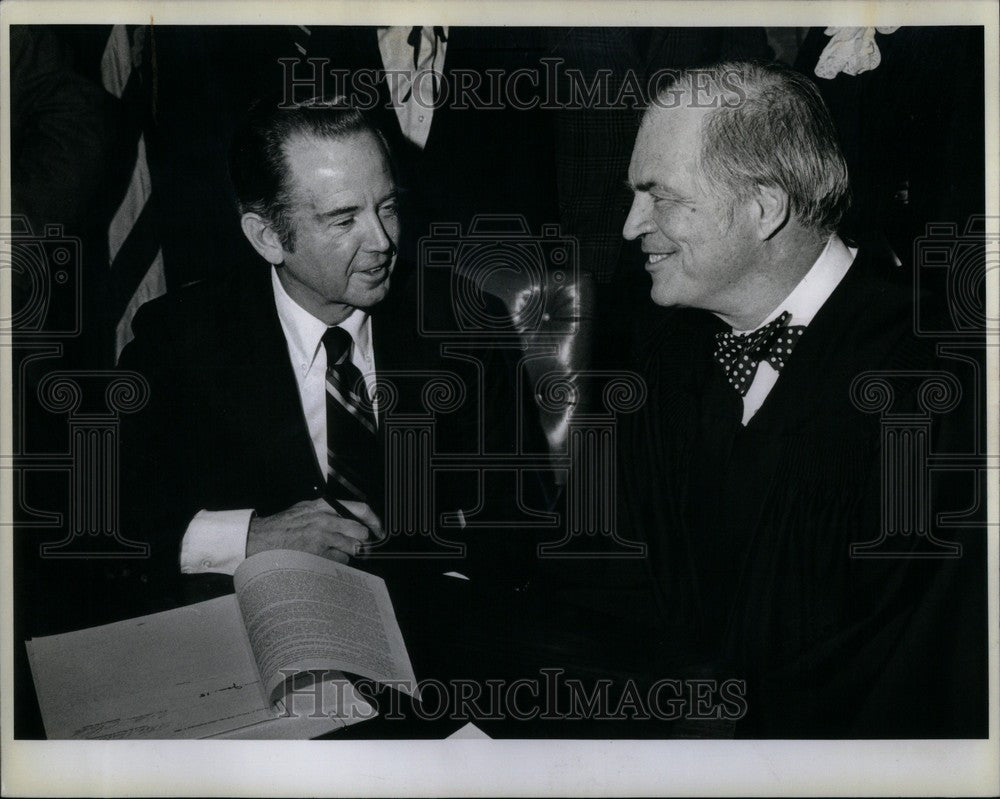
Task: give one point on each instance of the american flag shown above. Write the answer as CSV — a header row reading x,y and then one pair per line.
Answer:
x,y
134,253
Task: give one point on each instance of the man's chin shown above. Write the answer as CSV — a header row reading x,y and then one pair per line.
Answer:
x,y
672,289
371,296
662,295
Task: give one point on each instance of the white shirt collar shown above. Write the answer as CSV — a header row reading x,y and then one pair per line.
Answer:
x,y
816,286
304,332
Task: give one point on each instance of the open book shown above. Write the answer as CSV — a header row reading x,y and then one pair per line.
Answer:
x,y
266,662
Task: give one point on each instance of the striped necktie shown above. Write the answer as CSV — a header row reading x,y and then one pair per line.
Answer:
x,y
352,451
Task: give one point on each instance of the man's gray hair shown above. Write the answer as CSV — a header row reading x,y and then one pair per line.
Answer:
x,y
768,126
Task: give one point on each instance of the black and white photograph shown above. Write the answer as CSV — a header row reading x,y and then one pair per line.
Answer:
x,y
552,398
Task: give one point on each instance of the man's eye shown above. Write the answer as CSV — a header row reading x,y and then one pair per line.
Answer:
x,y
342,222
389,208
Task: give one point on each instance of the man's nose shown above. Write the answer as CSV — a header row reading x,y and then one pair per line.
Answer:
x,y
378,238
637,221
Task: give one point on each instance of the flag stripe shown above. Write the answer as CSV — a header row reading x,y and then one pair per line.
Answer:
x,y
134,260
116,63
132,205
153,285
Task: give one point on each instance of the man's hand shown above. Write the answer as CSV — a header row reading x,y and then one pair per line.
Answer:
x,y
315,527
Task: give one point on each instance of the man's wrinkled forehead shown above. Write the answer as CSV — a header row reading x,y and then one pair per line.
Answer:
x,y
668,139
683,122
337,158
326,150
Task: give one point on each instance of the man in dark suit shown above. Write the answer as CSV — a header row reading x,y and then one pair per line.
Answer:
x,y
272,392
755,471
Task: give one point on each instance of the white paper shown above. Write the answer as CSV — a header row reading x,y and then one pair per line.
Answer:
x,y
184,673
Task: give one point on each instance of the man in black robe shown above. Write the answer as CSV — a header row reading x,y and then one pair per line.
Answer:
x,y
779,546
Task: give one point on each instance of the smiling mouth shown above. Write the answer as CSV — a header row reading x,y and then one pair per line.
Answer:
x,y
375,271
656,257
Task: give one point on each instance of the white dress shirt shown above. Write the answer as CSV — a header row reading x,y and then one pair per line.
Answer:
x,y
414,109
803,304
216,541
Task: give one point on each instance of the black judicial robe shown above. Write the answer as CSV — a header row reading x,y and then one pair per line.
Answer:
x,y
749,529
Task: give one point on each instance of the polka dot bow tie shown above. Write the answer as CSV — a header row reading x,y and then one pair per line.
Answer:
x,y
739,353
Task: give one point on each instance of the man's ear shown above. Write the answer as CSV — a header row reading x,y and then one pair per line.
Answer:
x,y
770,210
263,238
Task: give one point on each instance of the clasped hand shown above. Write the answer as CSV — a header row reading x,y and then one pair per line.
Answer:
x,y
314,526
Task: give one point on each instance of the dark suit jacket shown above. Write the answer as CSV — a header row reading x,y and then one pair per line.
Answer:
x,y
749,529
224,427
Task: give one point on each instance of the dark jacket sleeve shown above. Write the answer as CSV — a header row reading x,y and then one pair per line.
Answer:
x,y
158,462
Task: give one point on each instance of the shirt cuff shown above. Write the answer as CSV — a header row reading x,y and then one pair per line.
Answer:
x,y
215,541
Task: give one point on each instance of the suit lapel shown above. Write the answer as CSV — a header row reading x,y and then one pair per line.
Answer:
x,y
268,385
801,391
